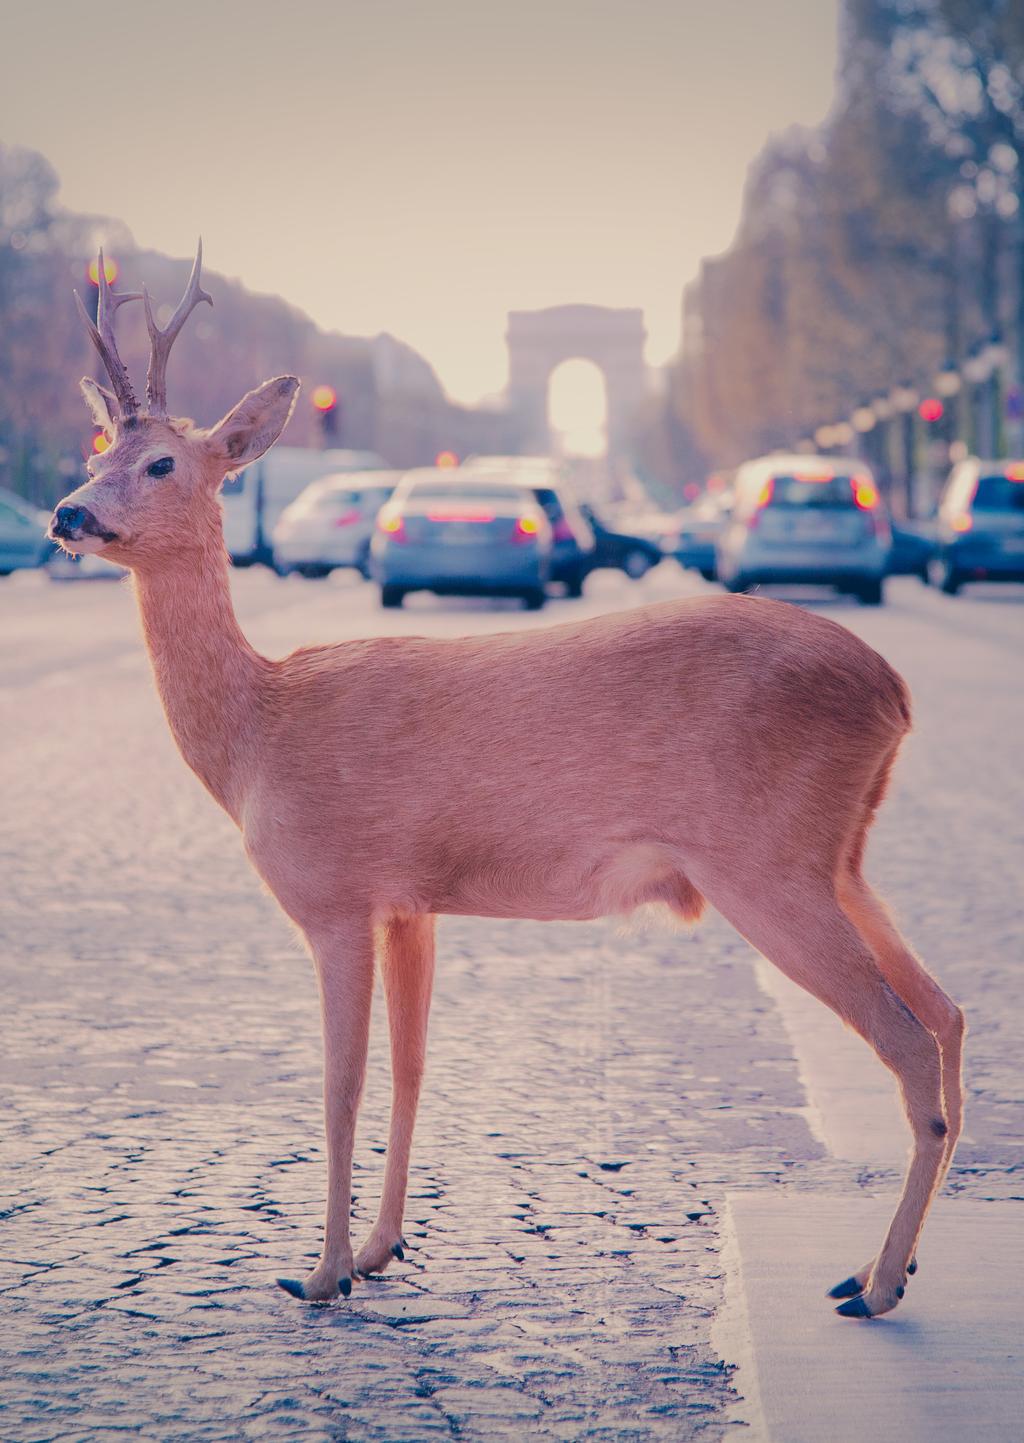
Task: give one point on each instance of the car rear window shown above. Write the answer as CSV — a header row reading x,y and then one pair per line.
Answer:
x,y
999,492
831,491
333,500
434,492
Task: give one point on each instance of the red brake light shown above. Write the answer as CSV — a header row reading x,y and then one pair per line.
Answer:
x,y
763,497
864,493
1015,471
347,518
527,528
460,516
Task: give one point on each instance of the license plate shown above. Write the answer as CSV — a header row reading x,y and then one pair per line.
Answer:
x,y
458,533
813,528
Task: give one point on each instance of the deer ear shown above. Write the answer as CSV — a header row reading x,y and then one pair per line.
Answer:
x,y
101,402
255,423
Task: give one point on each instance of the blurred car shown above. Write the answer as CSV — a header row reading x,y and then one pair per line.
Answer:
x,y
23,540
695,535
913,546
331,523
253,500
572,539
618,550
459,535
980,530
806,519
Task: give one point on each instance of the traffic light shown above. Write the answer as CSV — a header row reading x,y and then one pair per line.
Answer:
x,y
931,409
327,407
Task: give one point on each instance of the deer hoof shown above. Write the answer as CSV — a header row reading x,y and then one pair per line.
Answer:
x,y
912,1267
854,1308
397,1251
293,1286
849,1288
345,1286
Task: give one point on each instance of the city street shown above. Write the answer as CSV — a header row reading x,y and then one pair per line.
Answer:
x,y
603,1106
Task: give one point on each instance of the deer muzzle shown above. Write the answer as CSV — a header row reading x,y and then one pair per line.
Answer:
x,y
75,524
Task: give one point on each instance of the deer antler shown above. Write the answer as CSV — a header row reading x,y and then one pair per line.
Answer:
x,y
102,335
162,340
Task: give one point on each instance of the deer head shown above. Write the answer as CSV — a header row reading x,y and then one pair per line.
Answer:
x,y
152,493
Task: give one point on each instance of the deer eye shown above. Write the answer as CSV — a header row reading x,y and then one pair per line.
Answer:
x,y
163,467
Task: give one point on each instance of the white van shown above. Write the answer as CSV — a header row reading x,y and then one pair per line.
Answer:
x,y
253,500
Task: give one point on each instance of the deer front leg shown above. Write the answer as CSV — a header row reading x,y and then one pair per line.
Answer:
x,y
344,965
407,966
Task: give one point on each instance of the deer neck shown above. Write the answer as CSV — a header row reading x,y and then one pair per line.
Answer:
x,y
206,672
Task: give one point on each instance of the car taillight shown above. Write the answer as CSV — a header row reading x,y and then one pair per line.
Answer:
x,y
961,522
347,518
763,497
1015,471
392,526
865,496
562,531
527,528
864,493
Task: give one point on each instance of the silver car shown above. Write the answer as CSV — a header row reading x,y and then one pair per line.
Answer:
x,y
331,524
23,529
461,537
806,519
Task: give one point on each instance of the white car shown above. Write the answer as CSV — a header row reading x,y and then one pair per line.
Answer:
x,y
331,523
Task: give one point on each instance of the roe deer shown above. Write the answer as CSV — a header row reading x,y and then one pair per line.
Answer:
x,y
724,748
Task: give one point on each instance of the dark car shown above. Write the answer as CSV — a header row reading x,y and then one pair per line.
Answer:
x,y
618,550
913,546
980,533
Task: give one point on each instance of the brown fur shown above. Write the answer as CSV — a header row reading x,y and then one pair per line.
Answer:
x,y
727,748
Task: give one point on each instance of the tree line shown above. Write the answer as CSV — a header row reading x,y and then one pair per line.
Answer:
x,y
873,251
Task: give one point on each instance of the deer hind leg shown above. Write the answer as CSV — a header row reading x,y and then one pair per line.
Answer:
x,y
801,927
926,999
344,966
407,966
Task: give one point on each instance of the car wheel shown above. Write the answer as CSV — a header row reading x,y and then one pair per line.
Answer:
x,y
636,564
942,575
314,572
574,587
534,600
870,593
391,596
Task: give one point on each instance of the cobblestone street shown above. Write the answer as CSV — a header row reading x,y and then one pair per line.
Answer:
x,y
591,1091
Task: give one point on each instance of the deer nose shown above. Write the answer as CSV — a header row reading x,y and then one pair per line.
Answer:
x,y
67,520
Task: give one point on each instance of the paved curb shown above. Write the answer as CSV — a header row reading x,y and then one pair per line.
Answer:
x,y
946,1366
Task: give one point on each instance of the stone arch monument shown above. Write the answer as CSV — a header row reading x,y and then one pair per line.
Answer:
x,y
538,341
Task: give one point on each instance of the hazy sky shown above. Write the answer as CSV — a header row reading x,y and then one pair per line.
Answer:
x,y
421,168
